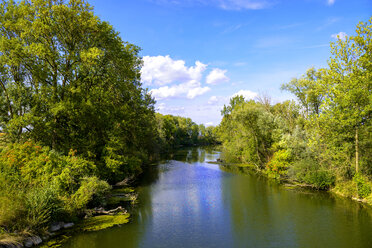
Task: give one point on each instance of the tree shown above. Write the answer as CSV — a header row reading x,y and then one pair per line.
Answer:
x,y
68,81
337,101
348,82
307,90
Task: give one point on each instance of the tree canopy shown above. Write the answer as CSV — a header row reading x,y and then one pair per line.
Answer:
x,y
326,135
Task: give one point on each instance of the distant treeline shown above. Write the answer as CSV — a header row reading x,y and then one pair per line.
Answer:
x,y
324,139
73,114
176,131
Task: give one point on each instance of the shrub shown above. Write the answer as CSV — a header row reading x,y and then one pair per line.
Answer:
x,y
43,205
364,189
11,206
308,171
346,188
279,163
39,185
92,190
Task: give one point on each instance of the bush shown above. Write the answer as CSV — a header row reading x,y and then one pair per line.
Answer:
x,y
43,205
39,185
346,188
11,205
308,171
364,189
279,163
91,191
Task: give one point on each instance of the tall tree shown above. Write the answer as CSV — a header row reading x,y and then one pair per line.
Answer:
x,y
348,83
70,82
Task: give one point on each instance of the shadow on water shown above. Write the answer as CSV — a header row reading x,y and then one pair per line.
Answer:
x,y
187,202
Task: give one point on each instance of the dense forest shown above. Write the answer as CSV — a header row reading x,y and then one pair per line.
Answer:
x,y
324,138
74,118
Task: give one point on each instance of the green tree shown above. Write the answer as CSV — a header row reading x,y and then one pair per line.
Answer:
x,y
348,83
68,81
307,90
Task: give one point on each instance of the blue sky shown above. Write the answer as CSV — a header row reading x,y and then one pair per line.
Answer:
x,y
199,53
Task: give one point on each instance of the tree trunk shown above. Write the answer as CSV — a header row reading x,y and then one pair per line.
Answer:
x,y
7,99
356,151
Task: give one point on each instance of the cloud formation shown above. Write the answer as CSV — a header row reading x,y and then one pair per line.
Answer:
x,y
247,94
172,78
212,100
163,70
340,35
162,108
191,89
217,76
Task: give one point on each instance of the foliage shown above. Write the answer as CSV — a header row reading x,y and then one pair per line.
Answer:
x,y
279,163
92,190
364,189
308,171
39,185
248,132
346,188
61,68
325,135
97,223
176,131
42,206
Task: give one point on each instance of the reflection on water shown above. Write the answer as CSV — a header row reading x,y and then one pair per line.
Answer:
x,y
188,202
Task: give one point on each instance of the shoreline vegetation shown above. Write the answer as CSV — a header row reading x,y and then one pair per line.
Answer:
x,y
75,121
324,138
292,183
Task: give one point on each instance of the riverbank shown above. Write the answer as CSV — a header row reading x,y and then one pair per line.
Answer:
x,y
346,189
95,219
188,201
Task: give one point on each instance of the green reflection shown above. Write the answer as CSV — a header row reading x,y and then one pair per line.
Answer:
x,y
187,202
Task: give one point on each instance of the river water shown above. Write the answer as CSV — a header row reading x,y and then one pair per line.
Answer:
x,y
188,202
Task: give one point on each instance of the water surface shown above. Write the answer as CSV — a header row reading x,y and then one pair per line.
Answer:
x,y
188,202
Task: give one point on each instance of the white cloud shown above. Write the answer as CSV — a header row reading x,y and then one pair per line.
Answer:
x,y
331,2
163,70
213,100
209,124
172,78
191,89
218,100
162,108
247,94
194,92
217,76
340,35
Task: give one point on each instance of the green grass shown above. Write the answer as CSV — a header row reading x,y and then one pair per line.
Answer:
x,y
95,223
101,222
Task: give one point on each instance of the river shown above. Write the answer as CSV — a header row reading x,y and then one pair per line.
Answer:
x,y
188,202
